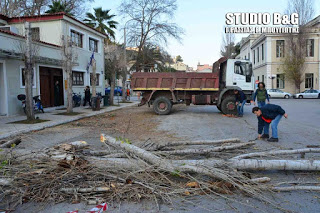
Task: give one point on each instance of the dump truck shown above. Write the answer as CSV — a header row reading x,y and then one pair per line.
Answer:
x,y
162,90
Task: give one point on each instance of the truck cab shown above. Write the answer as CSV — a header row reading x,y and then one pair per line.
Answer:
x,y
239,73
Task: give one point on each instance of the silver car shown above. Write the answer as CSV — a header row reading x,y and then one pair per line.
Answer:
x,y
311,93
276,93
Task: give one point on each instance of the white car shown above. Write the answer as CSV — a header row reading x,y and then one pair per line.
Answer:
x,y
276,93
312,93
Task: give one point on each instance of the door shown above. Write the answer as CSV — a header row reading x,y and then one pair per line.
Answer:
x,y
48,78
314,93
242,75
45,94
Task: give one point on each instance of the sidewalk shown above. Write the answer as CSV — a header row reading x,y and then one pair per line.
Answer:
x,y
8,129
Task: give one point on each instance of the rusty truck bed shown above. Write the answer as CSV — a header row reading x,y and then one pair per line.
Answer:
x,y
142,81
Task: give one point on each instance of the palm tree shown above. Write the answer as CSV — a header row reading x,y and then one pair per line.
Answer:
x,y
98,20
58,6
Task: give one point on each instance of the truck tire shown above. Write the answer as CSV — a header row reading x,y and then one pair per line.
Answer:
x,y
228,106
162,106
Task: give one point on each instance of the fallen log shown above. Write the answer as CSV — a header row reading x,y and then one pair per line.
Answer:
x,y
161,163
207,151
260,180
11,143
244,164
278,152
85,190
186,143
294,188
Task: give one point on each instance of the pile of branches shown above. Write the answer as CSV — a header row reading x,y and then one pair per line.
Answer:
x,y
74,173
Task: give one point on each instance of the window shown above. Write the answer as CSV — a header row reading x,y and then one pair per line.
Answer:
x,y
35,33
262,78
258,54
97,79
310,47
77,78
93,45
280,48
248,56
258,78
280,81
309,80
22,78
76,38
262,52
254,57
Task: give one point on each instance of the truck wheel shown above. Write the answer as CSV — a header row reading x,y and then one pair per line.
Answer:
x,y
228,106
162,106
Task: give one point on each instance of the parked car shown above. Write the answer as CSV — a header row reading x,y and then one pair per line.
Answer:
x,y
312,93
276,93
117,90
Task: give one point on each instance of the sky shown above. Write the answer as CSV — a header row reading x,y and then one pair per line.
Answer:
x,y
203,22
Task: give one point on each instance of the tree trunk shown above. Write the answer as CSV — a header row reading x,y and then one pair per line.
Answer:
x,y
206,151
9,144
68,62
295,188
124,89
69,92
28,71
156,146
112,86
278,152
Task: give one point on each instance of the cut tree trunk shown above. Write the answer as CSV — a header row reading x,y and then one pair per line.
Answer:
x,y
85,190
154,146
278,152
294,188
244,164
9,144
206,151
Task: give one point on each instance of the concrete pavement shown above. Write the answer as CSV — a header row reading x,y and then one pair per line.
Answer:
x,y
8,129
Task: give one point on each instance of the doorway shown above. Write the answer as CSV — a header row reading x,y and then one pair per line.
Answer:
x,y
48,78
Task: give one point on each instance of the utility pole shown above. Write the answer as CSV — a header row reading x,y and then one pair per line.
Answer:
x,y
28,71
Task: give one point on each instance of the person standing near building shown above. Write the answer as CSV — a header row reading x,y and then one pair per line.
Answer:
x,y
241,100
87,96
261,94
56,94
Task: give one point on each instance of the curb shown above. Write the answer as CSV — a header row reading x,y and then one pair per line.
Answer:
x,y
75,118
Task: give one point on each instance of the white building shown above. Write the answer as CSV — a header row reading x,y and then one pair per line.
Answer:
x,y
47,32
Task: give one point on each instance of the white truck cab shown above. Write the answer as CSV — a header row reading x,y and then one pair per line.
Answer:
x,y
239,74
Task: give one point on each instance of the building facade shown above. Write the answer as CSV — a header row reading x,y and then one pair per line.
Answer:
x,y
47,33
267,53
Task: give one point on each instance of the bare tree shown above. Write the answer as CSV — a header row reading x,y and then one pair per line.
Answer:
x,y
114,65
228,45
305,9
69,60
149,21
37,7
294,60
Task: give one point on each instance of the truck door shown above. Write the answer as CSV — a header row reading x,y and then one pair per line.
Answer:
x,y
242,76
